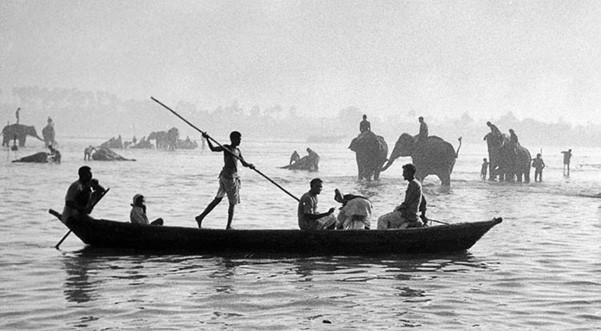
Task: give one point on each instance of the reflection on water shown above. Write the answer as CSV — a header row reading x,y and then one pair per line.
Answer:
x,y
94,269
78,288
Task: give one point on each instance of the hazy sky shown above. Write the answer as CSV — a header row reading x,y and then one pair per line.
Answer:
x,y
539,59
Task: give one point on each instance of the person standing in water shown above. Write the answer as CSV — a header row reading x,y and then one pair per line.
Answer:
x,y
484,169
538,164
229,181
567,155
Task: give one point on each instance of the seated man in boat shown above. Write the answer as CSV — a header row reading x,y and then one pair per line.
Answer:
x,y
82,195
308,217
405,215
138,212
355,213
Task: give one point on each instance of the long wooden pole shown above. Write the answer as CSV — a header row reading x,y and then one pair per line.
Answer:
x,y
216,142
60,216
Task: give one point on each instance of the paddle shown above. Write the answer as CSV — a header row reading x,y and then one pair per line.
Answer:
x,y
59,216
218,144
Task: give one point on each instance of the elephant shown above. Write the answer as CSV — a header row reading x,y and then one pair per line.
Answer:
x,y
18,132
160,137
41,157
172,138
308,162
165,139
370,152
106,154
435,156
143,144
506,160
186,144
113,143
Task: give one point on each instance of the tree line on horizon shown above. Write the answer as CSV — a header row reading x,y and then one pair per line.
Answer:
x,y
101,114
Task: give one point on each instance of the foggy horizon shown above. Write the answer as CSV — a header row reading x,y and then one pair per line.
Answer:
x,y
537,60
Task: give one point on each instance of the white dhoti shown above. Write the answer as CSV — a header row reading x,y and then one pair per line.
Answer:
x,y
326,222
395,220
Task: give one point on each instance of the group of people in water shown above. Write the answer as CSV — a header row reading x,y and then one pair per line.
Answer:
x,y
355,211
537,163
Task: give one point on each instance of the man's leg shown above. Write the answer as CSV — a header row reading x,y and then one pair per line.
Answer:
x,y
207,210
391,220
327,222
230,216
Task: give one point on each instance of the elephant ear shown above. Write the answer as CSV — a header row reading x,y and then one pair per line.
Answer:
x,y
353,145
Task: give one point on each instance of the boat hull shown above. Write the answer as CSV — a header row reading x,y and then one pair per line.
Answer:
x,y
433,239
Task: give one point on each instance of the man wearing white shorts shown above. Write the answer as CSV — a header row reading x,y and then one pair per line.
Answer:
x,y
229,181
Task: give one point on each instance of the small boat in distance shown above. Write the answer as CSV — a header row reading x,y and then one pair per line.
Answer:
x,y
188,240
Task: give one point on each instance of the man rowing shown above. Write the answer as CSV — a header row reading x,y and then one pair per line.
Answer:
x,y
82,195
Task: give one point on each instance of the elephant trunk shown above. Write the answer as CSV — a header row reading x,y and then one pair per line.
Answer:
x,y
389,162
395,154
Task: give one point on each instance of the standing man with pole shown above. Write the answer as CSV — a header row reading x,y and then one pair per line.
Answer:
x,y
229,181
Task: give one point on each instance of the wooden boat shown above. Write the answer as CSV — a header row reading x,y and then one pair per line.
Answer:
x,y
431,239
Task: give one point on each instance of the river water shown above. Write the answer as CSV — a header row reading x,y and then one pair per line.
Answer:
x,y
539,269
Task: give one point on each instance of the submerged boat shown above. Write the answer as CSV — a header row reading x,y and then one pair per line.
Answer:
x,y
188,240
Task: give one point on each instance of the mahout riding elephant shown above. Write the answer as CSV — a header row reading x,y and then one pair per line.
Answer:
x,y
370,152
435,156
508,161
19,132
309,162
